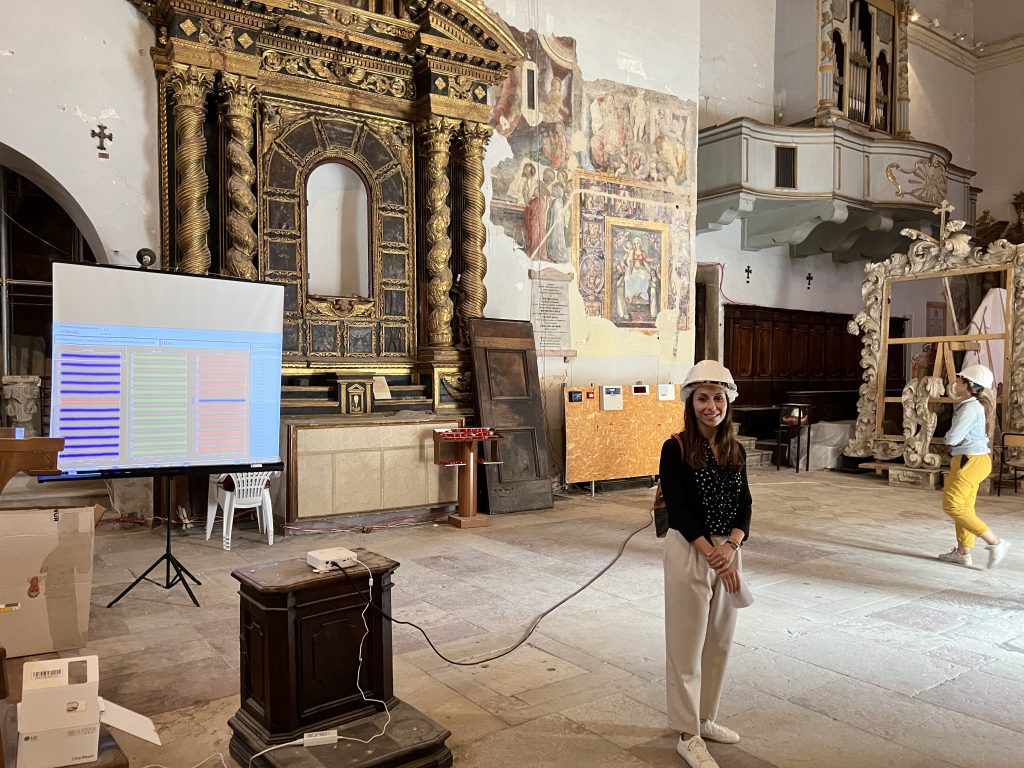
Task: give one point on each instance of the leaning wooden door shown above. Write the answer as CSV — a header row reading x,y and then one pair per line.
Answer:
x,y
507,396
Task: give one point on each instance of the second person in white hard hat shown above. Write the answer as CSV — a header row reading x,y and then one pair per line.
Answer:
x,y
970,462
704,482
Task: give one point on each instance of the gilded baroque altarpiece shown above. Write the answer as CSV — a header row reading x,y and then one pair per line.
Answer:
x,y
253,96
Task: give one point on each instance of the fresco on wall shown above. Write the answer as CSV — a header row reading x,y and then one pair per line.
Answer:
x,y
635,133
533,109
631,250
601,176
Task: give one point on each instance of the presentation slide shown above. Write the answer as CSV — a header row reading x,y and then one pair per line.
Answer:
x,y
155,369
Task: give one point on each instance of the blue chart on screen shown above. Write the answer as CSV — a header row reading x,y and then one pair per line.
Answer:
x,y
135,397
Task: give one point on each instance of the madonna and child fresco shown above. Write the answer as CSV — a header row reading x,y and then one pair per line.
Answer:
x,y
600,178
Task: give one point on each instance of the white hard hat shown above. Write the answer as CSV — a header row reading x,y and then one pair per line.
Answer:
x,y
978,374
710,372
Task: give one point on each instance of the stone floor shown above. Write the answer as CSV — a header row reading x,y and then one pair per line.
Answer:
x,y
861,649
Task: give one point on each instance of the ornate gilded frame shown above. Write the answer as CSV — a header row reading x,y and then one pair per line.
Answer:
x,y
926,258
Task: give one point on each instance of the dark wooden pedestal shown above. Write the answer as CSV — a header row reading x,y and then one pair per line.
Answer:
x,y
300,637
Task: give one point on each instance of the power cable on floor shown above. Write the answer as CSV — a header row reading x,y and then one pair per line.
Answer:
x,y
533,624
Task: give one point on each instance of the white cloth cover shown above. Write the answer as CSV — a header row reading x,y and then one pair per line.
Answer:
x,y
828,438
989,318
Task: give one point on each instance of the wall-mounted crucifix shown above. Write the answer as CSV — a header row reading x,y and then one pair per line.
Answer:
x,y
748,270
104,137
810,277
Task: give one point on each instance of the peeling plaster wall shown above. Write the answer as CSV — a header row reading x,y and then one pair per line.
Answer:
x,y
92,65
737,60
613,42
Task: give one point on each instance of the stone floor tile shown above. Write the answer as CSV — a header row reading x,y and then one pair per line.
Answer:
x,y
989,698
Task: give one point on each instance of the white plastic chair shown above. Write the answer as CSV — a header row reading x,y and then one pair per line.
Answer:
x,y
251,492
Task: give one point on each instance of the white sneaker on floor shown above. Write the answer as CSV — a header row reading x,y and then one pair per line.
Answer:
x,y
955,557
996,553
712,731
695,753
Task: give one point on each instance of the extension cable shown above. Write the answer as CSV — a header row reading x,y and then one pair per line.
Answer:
x,y
532,626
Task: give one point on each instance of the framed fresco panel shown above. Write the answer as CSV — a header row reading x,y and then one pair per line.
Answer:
x,y
636,263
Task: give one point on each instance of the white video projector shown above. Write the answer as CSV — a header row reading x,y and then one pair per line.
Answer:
x,y
333,559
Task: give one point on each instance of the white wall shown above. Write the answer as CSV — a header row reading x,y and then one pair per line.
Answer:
x,y
953,15
777,279
737,60
998,19
92,65
1000,151
796,59
942,105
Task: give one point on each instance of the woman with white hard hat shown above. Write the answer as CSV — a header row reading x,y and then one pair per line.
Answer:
x,y
970,462
704,482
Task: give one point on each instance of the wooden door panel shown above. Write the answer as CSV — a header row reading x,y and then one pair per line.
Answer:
x,y
518,453
506,390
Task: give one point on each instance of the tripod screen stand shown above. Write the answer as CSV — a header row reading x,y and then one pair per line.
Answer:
x,y
171,563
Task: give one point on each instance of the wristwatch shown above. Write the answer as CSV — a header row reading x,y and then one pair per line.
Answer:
x,y
733,544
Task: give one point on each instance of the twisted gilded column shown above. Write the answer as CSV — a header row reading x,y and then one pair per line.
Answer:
x,y
238,109
436,133
473,297
190,87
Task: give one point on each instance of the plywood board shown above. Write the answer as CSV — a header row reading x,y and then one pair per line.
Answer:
x,y
609,445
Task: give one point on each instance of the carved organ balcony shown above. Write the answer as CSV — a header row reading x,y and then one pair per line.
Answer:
x,y
823,190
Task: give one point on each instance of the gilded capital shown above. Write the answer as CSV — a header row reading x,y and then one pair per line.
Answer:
x,y
190,85
238,96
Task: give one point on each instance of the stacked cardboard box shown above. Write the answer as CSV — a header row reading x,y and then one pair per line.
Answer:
x,y
45,578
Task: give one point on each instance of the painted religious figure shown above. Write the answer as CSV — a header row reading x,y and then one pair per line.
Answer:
x,y
637,260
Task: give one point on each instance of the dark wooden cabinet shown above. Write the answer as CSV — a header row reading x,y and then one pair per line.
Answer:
x,y
775,352
300,638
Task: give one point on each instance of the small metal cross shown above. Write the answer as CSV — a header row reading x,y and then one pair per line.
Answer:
x,y
103,136
748,270
810,277
942,210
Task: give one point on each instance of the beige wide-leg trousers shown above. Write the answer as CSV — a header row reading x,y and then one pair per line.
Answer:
x,y
699,624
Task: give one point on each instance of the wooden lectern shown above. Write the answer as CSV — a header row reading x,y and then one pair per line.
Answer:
x,y
300,645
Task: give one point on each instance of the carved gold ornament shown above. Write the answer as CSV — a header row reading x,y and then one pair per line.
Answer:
x,y
459,87
216,32
342,307
304,66
245,41
187,27
929,175
458,386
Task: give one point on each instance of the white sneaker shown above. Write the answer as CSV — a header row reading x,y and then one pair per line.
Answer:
x,y
955,557
996,552
712,731
695,753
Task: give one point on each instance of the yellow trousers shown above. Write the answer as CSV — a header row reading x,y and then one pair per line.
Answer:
x,y
966,473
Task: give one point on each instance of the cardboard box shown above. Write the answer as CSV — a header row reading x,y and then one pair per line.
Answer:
x,y
60,714
45,579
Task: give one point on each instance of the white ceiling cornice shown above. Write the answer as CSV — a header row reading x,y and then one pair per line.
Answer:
x,y
995,55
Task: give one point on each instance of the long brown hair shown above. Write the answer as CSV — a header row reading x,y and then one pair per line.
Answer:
x,y
725,443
